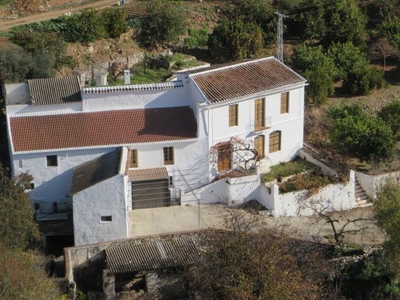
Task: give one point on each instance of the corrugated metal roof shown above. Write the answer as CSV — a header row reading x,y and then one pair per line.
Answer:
x,y
54,90
116,127
244,79
148,174
96,170
157,254
134,87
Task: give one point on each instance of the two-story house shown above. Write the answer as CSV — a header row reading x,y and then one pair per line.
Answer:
x,y
107,150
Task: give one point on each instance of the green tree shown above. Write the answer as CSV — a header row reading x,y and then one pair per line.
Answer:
x,y
84,27
235,39
345,22
164,24
387,215
390,29
260,12
307,21
114,21
48,43
390,114
346,57
17,226
318,68
15,63
362,136
22,276
362,80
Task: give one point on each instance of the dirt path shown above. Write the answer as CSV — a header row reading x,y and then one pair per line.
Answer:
x,y
7,24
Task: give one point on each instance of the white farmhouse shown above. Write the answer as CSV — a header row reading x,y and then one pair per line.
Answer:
x,y
102,151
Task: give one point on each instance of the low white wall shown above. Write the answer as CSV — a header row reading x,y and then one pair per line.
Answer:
x,y
307,156
334,197
372,183
237,189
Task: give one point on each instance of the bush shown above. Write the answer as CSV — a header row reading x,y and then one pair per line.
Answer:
x,y
318,68
84,27
198,38
390,114
362,81
164,24
235,39
114,20
362,136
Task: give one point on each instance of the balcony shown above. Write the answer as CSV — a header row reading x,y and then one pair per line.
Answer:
x,y
255,126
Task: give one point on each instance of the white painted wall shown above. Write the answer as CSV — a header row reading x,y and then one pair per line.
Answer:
x,y
372,183
16,93
106,198
52,184
37,110
226,190
333,197
135,99
190,158
219,113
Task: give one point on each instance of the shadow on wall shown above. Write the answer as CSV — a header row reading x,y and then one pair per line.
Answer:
x,y
53,190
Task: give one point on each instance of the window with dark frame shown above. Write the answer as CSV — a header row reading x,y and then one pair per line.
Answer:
x,y
106,218
285,103
52,161
134,159
275,141
233,115
168,155
31,185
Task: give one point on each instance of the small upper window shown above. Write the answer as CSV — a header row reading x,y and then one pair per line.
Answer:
x,y
134,159
168,155
52,161
32,185
106,218
285,103
233,115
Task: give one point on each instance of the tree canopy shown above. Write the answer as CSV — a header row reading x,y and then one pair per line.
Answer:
x,y
235,39
165,23
17,226
360,135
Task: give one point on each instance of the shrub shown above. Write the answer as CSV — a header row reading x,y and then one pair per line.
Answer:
x,y
114,20
197,38
364,137
390,114
363,80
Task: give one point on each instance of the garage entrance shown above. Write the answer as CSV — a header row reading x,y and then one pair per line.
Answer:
x,y
150,188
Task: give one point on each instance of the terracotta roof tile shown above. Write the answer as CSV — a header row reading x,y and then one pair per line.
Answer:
x,y
245,78
33,133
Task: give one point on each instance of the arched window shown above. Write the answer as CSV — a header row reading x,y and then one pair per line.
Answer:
x,y
275,141
259,143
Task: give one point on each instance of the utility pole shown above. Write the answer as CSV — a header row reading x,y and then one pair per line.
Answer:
x,y
279,45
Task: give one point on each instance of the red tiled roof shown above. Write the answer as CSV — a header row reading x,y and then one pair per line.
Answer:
x,y
32,133
243,79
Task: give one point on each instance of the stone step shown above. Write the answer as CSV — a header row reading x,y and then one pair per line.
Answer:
x,y
368,204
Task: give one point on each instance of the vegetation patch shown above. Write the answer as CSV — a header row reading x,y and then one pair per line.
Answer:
x,y
294,167
313,180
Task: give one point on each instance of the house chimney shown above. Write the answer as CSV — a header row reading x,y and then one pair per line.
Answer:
x,y
101,79
127,77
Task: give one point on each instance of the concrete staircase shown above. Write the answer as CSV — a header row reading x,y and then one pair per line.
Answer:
x,y
362,199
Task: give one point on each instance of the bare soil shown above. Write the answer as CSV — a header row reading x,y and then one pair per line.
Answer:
x,y
51,10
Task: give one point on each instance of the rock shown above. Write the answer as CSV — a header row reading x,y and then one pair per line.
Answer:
x,y
90,49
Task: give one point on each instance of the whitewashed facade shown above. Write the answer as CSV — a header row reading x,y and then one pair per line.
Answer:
x,y
260,109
